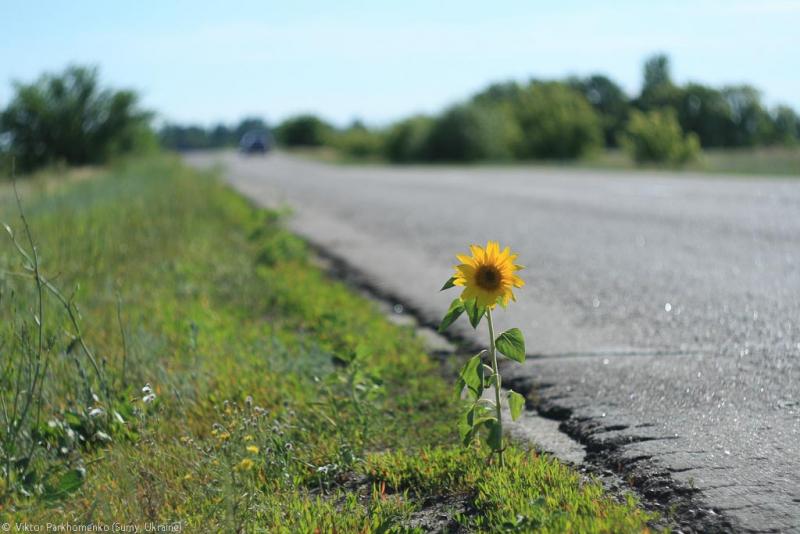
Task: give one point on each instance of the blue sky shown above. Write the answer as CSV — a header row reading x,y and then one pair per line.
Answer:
x,y
204,62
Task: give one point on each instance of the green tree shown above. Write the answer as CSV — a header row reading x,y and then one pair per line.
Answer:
x,y
407,140
220,136
471,133
191,137
555,121
497,93
608,100
358,141
248,124
176,137
751,121
657,72
658,90
656,136
69,118
706,112
304,130
785,126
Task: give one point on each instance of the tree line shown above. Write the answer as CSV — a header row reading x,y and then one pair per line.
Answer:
x,y
68,117
546,119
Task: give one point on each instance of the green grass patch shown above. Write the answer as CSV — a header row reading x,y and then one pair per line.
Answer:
x,y
239,388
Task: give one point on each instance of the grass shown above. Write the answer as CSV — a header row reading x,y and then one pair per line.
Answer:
x,y
767,161
283,401
777,161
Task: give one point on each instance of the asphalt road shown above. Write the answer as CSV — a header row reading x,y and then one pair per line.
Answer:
x,y
663,310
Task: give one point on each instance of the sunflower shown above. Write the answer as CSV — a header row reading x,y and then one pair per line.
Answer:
x,y
488,275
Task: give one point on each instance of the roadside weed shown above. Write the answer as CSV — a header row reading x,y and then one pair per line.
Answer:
x,y
254,393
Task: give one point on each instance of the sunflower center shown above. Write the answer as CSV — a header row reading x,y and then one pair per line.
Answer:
x,y
488,277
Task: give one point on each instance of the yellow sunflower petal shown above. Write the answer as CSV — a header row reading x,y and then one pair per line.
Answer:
x,y
465,270
478,254
488,274
492,250
467,260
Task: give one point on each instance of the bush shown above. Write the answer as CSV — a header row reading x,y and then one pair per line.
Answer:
x,y
407,140
359,142
68,118
176,137
608,100
304,130
656,136
556,121
471,132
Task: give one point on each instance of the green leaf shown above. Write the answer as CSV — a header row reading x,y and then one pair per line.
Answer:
x,y
512,344
453,313
467,438
474,312
516,403
471,377
467,432
488,376
479,414
495,437
450,283
472,420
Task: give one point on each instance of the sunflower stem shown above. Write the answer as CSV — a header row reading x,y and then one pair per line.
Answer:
x,y
493,353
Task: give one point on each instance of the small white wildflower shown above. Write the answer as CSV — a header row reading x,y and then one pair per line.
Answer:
x,y
102,436
119,418
146,390
96,412
95,397
147,399
64,450
52,423
249,401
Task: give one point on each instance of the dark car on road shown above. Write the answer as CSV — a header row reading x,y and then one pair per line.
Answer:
x,y
256,142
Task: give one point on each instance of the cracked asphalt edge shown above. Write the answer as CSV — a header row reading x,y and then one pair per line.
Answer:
x,y
682,508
